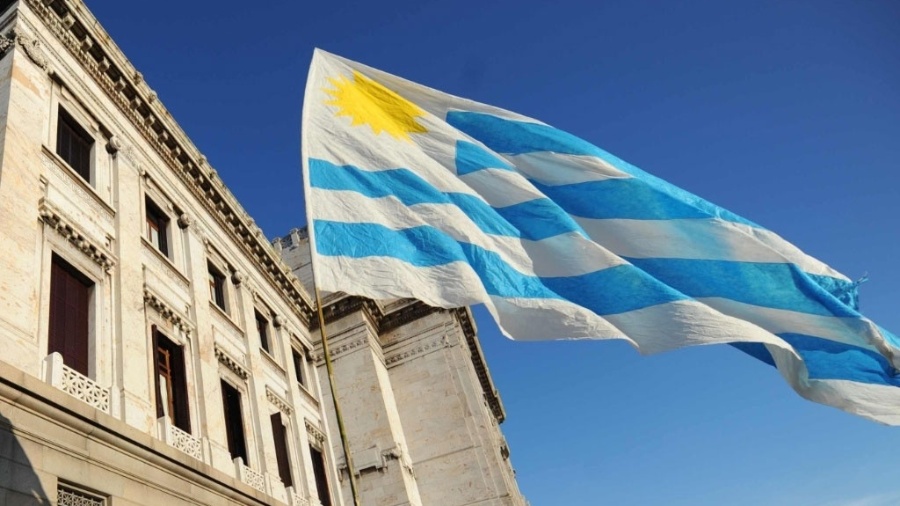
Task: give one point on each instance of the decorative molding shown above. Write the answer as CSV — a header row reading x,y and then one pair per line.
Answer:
x,y
278,402
231,363
56,221
343,349
438,342
315,433
164,310
184,220
125,87
30,45
113,145
278,321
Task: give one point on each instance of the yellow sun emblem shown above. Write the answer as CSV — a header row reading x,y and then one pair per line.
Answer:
x,y
368,102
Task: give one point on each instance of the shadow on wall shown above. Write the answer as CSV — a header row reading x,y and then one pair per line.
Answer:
x,y
19,483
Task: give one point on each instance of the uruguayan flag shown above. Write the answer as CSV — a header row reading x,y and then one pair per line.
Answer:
x,y
411,192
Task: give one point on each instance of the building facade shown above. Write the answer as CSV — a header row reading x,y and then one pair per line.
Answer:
x,y
421,412
156,349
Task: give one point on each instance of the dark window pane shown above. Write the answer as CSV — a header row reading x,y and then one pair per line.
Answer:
x,y
69,310
298,366
318,463
216,287
234,425
73,144
281,449
262,326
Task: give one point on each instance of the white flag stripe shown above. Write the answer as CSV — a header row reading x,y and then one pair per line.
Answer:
x,y
554,169
873,401
562,255
782,321
501,188
708,239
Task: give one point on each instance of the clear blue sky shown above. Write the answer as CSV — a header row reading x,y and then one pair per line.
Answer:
x,y
786,112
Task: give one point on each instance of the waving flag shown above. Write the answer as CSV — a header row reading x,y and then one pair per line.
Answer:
x,y
411,192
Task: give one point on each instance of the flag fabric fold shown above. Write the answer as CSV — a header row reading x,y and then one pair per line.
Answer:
x,y
411,192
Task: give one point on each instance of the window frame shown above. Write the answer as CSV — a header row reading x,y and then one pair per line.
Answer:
x,y
262,331
320,474
154,216
217,287
178,398
231,438
298,359
63,338
282,448
67,122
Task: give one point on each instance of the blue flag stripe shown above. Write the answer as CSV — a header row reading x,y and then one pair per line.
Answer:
x,y
778,286
534,220
512,137
764,284
470,157
625,287
830,360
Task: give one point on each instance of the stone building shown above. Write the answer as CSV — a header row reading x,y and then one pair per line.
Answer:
x,y
154,346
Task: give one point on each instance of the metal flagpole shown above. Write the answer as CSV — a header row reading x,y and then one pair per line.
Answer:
x,y
337,408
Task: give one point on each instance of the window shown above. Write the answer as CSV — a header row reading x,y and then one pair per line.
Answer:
x,y
68,495
234,422
171,387
262,327
70,293
216,287
157,228
279,434
318,464
298,367
74,144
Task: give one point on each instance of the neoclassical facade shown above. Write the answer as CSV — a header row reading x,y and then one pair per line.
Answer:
x,y
156,348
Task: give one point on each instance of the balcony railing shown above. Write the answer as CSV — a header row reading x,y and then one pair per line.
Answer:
x,y
249,476
75,384
180,439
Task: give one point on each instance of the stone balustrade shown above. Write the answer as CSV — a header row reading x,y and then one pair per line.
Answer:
x,y
75,384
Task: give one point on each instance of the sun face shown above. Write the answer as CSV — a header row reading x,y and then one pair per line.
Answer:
x,y
367,102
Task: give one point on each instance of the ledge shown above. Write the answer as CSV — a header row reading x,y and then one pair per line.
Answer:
x,y
77,179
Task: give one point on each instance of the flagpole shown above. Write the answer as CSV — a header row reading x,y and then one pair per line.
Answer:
x,y
337,408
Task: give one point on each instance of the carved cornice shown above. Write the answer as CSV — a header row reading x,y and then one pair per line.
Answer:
x,y
278,402
83,37
166,311
344,348
57,222
414,351
231,363
464,316
314,432
346,306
